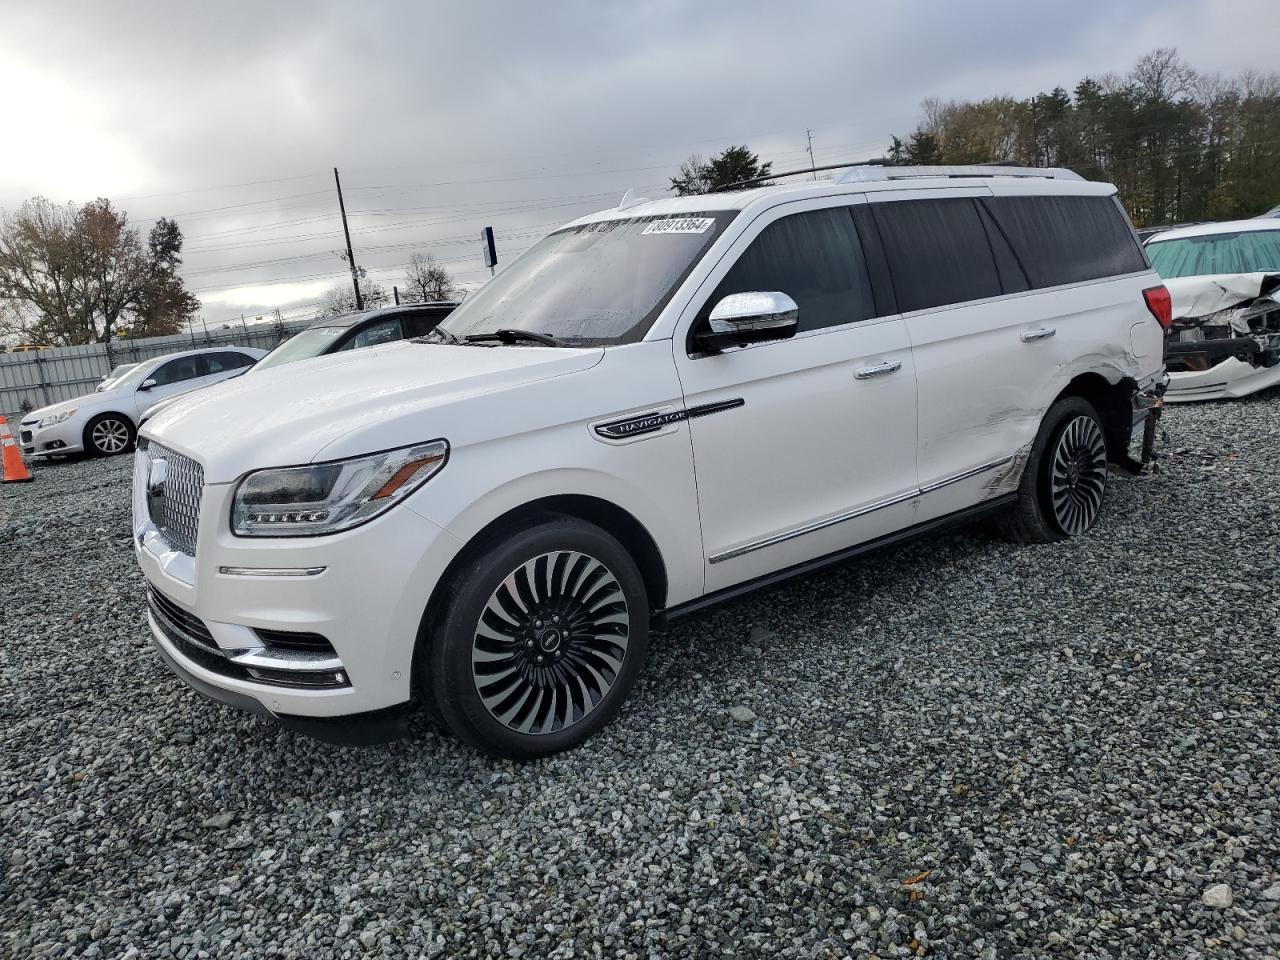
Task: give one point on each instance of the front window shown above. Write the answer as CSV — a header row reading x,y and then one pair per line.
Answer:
x,y
592,285
1257,251
307,344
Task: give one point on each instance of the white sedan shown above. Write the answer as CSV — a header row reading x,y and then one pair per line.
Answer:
x,y
105,422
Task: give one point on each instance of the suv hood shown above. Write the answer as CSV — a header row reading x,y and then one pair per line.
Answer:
x,y
348,404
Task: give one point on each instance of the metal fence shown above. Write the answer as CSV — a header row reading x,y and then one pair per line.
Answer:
x,y
38,378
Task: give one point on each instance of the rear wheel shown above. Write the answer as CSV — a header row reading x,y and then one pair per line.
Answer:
x,y
108,434
541,641
1065,479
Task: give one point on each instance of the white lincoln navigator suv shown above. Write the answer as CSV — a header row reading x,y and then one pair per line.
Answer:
x,y
655,408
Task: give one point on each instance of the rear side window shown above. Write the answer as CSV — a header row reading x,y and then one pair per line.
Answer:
x,y
1068,239
384,331
938,252
814,258
228,360
422,322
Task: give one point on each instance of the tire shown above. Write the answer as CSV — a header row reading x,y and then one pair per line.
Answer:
x,y
505,674
108,434
1064,482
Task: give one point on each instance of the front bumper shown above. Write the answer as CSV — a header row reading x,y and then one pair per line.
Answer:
x,y
1228,379
64,437
364,596
380,726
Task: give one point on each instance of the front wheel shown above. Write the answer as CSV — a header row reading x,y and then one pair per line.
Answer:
x,y
108,434
541,640
1065,479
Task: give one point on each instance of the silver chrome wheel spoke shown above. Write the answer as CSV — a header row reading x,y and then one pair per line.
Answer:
x,y
550,643
1078,475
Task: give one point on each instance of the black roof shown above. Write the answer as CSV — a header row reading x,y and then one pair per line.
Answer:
x,y
348,320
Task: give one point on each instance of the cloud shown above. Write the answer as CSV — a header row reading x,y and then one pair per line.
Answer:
x,y
444,117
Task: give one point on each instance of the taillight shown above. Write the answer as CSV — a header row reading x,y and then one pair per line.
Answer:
x,y
1160,304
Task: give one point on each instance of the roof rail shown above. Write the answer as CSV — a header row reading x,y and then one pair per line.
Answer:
x,y
797,172
865,174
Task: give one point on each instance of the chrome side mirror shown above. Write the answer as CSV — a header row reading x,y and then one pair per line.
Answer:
x,y
147,384
750,318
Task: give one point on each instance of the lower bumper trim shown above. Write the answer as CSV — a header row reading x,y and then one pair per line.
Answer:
x,y
352,730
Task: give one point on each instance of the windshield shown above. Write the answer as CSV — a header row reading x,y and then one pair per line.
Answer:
x,y
116,373
136,375
309,343
595,284
1255,252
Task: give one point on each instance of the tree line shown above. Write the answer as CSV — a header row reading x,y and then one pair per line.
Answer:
x,y
1179,145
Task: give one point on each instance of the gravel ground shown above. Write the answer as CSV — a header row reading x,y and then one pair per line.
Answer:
x,y
956,748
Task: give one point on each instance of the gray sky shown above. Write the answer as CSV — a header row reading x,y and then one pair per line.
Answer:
x,y
444,117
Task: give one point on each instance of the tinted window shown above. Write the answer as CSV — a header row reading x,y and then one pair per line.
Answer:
x,y
384,331
175,371
222,362
1068,239
418,323
815,259
938,252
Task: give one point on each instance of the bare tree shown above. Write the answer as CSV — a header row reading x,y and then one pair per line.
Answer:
x,y
1163,75
426,281
341,300
693,177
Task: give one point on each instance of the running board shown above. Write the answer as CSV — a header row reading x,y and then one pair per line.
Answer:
x,y
660,619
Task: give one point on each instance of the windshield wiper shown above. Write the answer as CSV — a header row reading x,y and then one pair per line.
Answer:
x,y
512,335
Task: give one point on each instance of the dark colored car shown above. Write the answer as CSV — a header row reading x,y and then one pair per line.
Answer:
x,y
356,330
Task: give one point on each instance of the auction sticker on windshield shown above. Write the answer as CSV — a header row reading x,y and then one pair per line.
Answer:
x,y
681,225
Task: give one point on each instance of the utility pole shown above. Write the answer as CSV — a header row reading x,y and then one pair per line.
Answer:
x,y
351,260
395,292
812,165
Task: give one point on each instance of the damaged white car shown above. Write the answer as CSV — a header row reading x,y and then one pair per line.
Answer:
x,y
1224,280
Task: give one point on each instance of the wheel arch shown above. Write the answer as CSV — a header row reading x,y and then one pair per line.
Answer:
x,y
1112,401
615,520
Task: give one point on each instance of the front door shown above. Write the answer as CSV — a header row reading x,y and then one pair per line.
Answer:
x,y
806,446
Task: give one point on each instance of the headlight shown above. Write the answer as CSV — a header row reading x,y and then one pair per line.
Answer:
x,y
328,497
56,418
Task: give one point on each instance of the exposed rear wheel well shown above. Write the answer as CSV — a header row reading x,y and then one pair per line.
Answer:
x,y
620,524
1114,403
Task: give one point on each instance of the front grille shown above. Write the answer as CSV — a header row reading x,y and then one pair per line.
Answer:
x,y
26,437
173,496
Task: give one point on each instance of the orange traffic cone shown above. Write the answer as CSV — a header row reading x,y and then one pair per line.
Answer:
x,y
12,469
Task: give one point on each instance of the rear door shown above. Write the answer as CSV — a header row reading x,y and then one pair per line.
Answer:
x,y
982,346
806,446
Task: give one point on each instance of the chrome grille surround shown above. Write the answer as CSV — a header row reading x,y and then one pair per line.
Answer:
x,y
174,502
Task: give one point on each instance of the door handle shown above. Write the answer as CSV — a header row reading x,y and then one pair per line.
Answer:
x,y
1044,333
879,370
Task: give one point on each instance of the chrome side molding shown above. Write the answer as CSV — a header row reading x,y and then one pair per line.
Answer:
x,y
817,525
